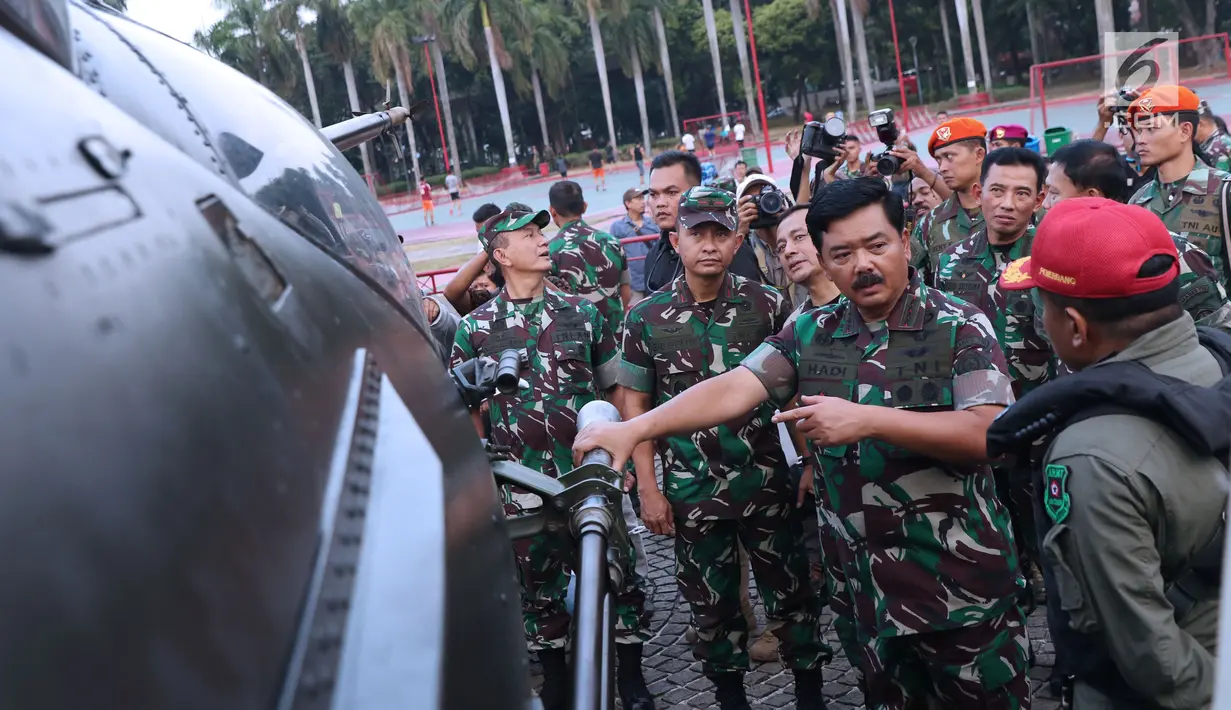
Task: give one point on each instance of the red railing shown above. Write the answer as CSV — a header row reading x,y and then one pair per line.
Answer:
x,y
428,282
1038,76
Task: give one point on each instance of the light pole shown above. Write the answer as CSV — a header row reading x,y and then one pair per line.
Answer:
x,y
918,79
752,40
898,56
431,75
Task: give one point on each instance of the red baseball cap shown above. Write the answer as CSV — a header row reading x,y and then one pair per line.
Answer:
x,y
1092,247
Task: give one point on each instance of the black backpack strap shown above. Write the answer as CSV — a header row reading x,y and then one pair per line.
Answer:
x,y
1224,190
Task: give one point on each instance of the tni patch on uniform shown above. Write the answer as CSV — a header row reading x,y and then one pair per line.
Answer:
x,y
1057,499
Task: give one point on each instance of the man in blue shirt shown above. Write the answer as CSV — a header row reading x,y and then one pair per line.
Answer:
x,y
635,224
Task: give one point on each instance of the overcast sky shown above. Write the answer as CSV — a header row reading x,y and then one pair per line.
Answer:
x,y
177,18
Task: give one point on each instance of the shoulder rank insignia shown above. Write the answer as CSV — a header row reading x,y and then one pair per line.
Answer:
x,y
1057,499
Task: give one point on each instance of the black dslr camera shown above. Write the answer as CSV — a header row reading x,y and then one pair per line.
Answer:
x,y
887,132
821,140
771,205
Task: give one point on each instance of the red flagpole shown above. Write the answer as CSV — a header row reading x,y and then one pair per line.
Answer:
x,y
898,56
441,124
752,40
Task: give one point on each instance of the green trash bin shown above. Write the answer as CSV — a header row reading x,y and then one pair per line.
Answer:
x,y
749,155
1056,138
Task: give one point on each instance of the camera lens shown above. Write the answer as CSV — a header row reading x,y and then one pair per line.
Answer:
x,y
888,165
770,202
507,370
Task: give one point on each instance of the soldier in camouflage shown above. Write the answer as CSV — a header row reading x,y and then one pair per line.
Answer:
x,y
570,357
1213,139
728,481
585,261
959,146
1088,168
1185,192
971,270
911,379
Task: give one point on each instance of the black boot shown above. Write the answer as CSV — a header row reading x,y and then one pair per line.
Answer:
x,y
557,680
631,684
729,690
808,685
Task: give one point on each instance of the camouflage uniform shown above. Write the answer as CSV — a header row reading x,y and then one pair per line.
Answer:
x,y
943,225
590,263
572,355
1218,149
844,171
1192,208
728,483
971,270
926,547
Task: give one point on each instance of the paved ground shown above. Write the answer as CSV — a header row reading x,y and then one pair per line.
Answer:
x,y
676,680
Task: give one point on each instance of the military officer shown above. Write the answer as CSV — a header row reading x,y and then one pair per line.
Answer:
x,y
1008,136
1012,183
585,261
959,147
729,482
1213,139
1088,168
570,357
912,378
1185,192
1133,501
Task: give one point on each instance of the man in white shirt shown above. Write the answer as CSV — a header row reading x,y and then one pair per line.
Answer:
x,y
690,142
739,133
454,185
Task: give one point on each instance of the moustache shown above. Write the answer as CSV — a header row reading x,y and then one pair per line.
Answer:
x,y
865,280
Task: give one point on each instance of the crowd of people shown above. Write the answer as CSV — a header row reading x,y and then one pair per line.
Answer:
x,y
968,363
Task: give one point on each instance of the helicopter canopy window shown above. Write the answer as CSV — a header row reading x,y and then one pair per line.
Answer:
x,y
280,159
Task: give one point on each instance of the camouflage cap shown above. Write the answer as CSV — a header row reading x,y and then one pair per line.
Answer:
x,y
707,204
511,218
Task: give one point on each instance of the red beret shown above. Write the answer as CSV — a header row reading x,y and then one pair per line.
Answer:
x,y
954,130
1010,132
1092,247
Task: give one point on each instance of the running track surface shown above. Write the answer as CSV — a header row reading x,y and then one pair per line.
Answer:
x,y
1076,113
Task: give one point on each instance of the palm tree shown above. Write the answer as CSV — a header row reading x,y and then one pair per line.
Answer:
x,y
842,34
964,29
741,48
544,57
859,10
617,8
1105,18
247,41
664,60
427,13
944,25
386,27
466,16
336,36
987,69
635,34
285,16
712,30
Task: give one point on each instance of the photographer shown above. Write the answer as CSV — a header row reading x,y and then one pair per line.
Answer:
x,y
913,164
761,207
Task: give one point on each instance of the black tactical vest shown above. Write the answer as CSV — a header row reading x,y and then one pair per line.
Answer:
x,y
1200,415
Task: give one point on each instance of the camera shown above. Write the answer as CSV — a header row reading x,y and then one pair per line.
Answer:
x,y
821,140
771,205
507,369
887,133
